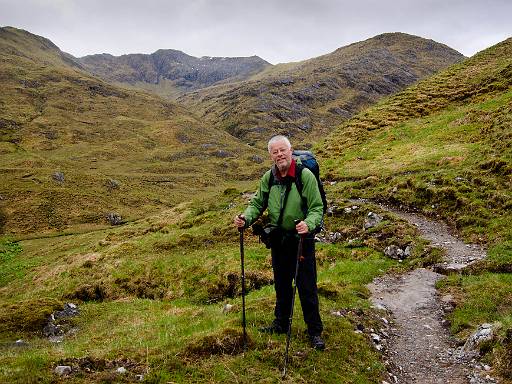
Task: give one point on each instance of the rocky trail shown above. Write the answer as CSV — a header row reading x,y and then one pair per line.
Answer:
x,y
419,348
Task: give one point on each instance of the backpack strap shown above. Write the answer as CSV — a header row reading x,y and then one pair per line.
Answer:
x,y
286,193
271,182
300,186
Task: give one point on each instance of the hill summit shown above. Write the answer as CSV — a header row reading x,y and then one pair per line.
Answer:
x,y
306,100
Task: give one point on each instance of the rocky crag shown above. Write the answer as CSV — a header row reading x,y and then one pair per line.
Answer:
x,y
169,72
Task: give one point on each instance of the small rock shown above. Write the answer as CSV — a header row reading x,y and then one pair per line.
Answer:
x,y
21,343
114,218
112,184
375,338
63,370
227,308
394,252
121,370
372,220
58,176
449,268
256,159
139,377
483,333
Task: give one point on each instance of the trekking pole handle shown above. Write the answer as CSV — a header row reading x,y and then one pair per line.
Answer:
x,y
241,218
296,222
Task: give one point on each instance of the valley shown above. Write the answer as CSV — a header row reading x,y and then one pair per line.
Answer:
x,y
118,196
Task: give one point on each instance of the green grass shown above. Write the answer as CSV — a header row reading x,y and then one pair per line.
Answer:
x,y
442,147
151,291
11,269
168,337
452,164
485,296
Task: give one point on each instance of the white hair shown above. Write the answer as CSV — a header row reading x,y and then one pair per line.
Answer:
x,y
277,138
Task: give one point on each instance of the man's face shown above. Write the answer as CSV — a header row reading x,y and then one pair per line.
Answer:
x,y
281,155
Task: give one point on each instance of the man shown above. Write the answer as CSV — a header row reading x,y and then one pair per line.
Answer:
x,y
286,205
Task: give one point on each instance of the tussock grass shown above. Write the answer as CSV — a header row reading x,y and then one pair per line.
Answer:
x,y
443,147
182,334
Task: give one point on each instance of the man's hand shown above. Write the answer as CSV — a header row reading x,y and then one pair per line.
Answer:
x,y
302,228
239,221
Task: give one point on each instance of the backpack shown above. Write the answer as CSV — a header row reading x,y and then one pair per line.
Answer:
x,y
308,161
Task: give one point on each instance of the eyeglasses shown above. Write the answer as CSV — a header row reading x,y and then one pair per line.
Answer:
x,y
278,151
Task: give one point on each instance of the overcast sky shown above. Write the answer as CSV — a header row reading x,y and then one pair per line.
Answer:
x,y
276,30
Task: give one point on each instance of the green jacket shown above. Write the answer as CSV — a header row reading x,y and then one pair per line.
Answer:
x,y
293,210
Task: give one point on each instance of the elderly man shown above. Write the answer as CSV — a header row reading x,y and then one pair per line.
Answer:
x,y
286,206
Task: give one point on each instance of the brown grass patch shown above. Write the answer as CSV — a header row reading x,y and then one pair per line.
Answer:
x,y
230,285
227,342
27,316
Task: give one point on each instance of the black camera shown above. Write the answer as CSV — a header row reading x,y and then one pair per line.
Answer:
x,y
268,235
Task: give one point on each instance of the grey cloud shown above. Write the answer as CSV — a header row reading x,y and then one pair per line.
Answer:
x,y
276,30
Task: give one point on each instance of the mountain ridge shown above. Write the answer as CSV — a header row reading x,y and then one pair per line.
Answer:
x,y
307,99
176,68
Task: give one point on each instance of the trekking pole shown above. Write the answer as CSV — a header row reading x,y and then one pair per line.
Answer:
x,y
241,230
289,333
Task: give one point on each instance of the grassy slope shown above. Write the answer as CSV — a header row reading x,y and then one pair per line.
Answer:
x,y
151,294
443,147
56,118
151,291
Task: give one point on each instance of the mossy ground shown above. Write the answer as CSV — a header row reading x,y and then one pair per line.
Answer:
x,y
151,291
151,295
443,148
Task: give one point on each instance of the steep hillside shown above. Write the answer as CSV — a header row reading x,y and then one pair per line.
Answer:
x,y
307,100
74,149
170,73
443,146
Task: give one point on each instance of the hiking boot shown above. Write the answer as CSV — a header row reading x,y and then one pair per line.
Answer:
x,y
273,328
317,343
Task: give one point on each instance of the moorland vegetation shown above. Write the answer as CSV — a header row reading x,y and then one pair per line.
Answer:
x,y
152,291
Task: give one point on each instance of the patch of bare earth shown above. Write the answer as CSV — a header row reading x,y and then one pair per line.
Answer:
x,y
420,348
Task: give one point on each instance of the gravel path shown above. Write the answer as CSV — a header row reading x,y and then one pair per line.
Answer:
x,y
420,348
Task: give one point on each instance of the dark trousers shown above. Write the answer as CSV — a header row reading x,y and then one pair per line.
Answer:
x,y
284,259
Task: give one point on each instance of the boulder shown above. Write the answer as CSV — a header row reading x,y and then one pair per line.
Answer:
x,y
58,177
62,370
372,220
114,218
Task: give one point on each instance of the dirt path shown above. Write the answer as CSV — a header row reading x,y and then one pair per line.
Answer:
x,y
420,349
